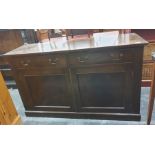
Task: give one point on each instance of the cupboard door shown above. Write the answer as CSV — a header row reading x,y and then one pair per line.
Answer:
x,y
106,88
45,89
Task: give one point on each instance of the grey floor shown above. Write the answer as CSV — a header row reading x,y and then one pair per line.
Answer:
x,y
62,121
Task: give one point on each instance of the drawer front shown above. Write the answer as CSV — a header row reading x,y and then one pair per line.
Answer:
x,y
39,61
87,58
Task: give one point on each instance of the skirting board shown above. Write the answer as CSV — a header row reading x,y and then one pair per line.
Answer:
x,y
85,115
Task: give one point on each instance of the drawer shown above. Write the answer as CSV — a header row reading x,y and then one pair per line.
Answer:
x,y
39,61
88,58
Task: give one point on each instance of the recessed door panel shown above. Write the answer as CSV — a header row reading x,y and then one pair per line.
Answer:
x,y
45,90
104,89
101,90
48,90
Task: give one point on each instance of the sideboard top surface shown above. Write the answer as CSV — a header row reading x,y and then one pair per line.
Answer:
x,y
98,40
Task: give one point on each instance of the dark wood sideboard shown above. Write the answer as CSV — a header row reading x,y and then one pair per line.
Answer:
x,y
80,78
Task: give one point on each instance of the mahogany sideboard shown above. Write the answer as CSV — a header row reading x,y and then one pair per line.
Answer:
x,y
96,78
